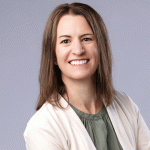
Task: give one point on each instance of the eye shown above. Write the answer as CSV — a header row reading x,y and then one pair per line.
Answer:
x,y
87,39
65,41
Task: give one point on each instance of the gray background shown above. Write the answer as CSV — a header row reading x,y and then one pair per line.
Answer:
x,y
22,24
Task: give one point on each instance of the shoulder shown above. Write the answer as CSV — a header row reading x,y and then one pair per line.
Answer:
x,y
44,118
123,101
44,129
39,117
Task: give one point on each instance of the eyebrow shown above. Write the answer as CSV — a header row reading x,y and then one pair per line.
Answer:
x,y
80,36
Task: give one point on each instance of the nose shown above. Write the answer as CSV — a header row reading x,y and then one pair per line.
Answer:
x,y
77,48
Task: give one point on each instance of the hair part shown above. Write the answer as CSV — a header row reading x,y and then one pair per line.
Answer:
x,y
51,84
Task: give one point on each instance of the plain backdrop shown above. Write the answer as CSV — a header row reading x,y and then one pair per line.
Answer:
x,y
22,23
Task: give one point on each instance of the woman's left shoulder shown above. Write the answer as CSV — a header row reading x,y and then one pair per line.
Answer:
x,y
125,102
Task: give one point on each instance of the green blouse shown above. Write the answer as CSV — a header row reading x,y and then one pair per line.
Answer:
x,y
100,129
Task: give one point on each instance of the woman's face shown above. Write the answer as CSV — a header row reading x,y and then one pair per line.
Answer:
x,y
76,48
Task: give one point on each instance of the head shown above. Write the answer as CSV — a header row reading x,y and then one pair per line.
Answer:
x,y
50,75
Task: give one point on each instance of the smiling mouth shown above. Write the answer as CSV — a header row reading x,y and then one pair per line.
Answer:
x,y
81,62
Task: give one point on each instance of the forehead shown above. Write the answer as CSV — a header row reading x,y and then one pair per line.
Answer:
x,y
71,24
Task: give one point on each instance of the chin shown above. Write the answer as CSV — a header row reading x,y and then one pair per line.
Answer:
x,y
81,77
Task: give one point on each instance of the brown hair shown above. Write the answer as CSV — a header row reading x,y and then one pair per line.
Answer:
x,y
51,84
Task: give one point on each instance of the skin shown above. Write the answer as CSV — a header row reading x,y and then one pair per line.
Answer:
x,y
75,41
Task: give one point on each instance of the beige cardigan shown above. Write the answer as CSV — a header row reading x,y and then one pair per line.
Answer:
x,y
51,129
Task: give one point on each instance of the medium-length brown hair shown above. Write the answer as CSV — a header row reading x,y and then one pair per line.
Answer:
x,y
51,85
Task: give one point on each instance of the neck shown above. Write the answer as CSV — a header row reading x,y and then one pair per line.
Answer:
x,y
82,95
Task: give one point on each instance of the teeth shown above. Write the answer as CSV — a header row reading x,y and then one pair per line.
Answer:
x,y
78,62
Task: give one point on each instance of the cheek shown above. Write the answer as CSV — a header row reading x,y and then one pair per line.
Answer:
x,y
61,56
58,53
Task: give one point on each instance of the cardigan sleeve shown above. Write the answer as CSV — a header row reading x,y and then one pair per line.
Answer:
x,y
143,133
39,139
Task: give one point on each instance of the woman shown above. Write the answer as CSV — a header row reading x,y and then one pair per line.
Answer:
x,y
78,108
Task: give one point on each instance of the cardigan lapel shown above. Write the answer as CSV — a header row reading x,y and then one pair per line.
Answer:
x,y
118,127
77,123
